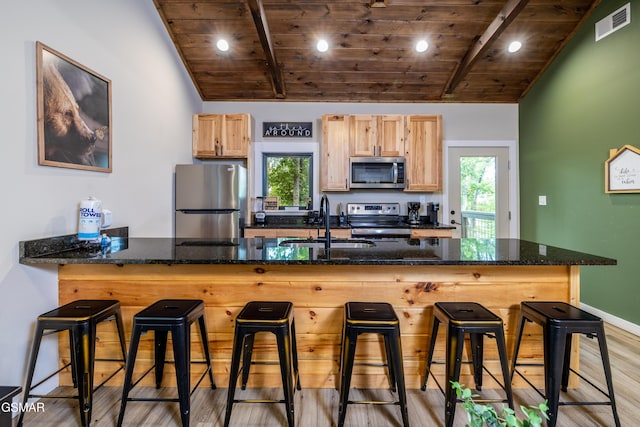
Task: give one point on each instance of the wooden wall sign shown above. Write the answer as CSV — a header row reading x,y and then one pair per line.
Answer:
x,y
287,129
622,170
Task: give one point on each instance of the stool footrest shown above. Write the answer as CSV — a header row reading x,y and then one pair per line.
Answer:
x,y
259,401
374,402
153,399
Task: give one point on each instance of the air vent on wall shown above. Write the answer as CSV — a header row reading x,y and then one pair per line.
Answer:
x,y
613,22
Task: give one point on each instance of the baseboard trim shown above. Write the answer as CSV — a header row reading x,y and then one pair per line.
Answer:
x,y
614,320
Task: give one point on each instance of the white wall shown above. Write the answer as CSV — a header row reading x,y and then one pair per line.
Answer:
x,y
152,103
461,122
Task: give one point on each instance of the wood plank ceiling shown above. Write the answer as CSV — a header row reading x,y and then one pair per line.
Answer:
x,y
371,56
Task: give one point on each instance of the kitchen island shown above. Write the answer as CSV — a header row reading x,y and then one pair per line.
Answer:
x,y
411,274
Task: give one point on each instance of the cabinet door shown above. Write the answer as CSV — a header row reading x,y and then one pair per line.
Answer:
x,y
430,232
363,138
423,152
236,136
297,232
391,136
334,158
207,132
221,136
260,232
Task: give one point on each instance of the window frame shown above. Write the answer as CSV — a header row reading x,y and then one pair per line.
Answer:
x,y
299,154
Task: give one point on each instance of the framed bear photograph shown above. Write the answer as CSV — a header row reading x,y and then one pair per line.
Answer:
x,y
73,113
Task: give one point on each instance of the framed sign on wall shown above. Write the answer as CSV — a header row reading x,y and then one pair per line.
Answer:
x,y
287,129
622,170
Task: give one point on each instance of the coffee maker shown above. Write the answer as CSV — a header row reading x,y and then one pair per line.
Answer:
x,y
413,212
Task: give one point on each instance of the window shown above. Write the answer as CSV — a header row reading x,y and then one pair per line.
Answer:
x,y
289,177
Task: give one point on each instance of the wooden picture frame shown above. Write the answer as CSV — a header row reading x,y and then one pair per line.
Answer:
x,y
622,170
73,113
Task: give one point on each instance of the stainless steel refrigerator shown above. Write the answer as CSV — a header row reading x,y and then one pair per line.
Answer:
x,y
211,200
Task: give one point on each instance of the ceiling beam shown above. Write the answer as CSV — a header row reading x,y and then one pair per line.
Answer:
x,y
275,72
482,43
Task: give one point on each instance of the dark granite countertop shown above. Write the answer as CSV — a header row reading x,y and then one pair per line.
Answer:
x,y
401,251
298,221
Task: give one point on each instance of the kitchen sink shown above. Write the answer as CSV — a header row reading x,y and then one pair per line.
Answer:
x,y
335,243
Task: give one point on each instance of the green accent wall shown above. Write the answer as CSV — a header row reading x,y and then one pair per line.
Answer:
x,y
586,103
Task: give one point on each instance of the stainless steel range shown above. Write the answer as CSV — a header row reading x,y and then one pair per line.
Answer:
x,y
376,220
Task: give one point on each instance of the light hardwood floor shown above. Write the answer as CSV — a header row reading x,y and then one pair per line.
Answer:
x,y
319,407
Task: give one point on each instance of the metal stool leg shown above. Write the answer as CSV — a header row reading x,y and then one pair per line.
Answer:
x,y
477,357
553,370
432,346
207,354
247,353
182,355
516,348
349,346
128,376
286,371
455,343
604,353
35,348
504,365
396,361
390,366
160,351
233,374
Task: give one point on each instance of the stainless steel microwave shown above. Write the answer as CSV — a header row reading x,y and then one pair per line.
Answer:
x,y
377,172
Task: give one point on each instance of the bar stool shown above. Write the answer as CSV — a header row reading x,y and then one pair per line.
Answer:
x,y
162,317
376,318
467,318
559,321
265,316
80,318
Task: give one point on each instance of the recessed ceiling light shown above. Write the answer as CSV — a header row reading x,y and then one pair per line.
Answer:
x,y
422,46
322,45
514,46
222,45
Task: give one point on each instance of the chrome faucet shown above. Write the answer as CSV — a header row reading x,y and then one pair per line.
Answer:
x,y
326,218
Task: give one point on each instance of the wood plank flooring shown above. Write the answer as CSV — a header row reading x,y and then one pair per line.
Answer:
x,y
319,407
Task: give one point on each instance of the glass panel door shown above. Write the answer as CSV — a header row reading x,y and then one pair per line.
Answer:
x,y
479,191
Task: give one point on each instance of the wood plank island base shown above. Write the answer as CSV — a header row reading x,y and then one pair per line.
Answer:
x,y
318,285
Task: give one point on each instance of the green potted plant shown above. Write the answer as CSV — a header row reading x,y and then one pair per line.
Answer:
x,y
480,415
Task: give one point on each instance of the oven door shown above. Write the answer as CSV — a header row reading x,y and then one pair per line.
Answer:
x,y
379,232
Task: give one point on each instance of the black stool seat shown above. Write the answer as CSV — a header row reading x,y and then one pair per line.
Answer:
x,y
80,318
6,395
162,317
559,321
265,316
467,318
377,318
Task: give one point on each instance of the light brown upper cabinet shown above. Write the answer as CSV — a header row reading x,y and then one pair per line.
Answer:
x,y
334,156
376,135
423,153
221,136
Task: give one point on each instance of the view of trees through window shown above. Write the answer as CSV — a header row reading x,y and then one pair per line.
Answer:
x,y
478,196
288,177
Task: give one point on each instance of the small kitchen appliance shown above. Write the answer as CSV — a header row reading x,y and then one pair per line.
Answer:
x,y
432,213
260,216
377,172
413,212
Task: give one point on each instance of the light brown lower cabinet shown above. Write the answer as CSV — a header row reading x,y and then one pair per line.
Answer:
x,y
430,232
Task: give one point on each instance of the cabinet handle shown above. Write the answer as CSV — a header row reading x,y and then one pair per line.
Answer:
x,y
374,150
